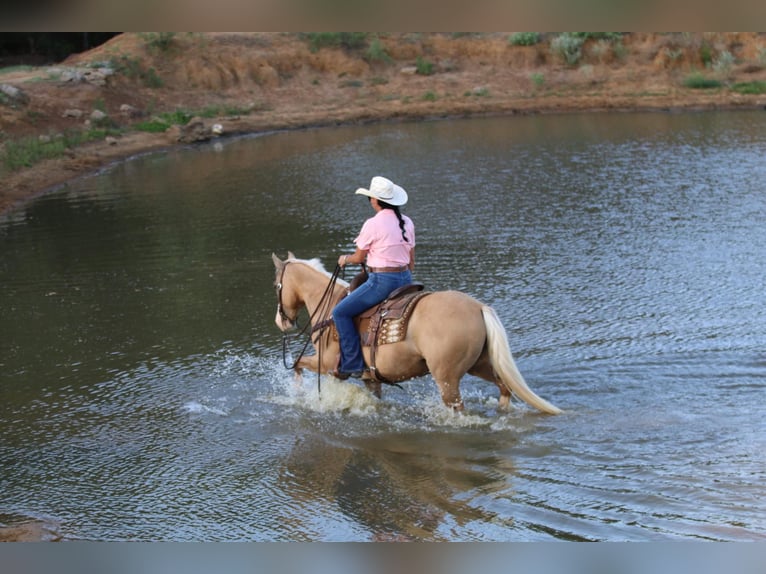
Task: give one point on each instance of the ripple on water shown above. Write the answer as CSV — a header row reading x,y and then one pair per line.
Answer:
x,y
144,396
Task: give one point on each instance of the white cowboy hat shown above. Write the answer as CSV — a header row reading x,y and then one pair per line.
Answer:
x,y
384,190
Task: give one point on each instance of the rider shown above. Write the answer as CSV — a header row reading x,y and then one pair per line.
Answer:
x,y
387,243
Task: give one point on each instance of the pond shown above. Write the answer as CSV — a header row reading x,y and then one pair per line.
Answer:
x,y
142,392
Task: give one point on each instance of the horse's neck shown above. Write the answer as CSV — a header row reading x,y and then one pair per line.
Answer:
x,y
314,284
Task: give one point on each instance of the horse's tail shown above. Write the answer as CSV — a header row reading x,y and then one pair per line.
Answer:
x,y
502,362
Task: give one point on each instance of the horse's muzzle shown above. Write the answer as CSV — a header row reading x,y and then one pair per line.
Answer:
x,y
284,323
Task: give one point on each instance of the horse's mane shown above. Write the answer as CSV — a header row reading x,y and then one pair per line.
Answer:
x,y
316,265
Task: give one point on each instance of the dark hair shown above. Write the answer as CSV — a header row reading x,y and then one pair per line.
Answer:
x,y
395,209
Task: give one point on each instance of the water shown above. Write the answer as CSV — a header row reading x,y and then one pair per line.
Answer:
x,y
141,385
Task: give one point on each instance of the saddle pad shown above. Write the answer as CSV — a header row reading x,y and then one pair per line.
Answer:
x,y
388,323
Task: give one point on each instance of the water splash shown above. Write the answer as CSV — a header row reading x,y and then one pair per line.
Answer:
x,y
330,396
241,381
196,408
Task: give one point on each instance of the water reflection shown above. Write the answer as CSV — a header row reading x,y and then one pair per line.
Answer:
x,y
390,490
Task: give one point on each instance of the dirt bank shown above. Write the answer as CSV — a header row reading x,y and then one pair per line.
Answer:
x,y
249,82
30,530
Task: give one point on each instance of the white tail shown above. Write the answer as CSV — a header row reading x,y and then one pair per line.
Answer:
x,y
502,361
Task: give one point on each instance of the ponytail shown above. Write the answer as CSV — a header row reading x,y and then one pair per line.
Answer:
x,y
395,209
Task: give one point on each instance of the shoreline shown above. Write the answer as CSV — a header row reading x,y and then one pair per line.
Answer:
x,y
49,175
260,82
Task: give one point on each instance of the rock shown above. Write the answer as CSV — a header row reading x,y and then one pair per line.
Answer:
x,y
129,111
14,95
195,131
72,113
97,76
97,116
409,70
75,75
72,75
111,140
198,131
173,133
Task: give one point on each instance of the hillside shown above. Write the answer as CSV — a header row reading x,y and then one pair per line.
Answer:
x,y
144,88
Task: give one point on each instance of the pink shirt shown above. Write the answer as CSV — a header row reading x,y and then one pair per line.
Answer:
x,y
381,237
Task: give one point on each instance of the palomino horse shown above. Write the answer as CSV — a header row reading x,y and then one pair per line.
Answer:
x,y
450,334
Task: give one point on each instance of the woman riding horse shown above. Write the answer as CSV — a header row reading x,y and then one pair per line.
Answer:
x,y
387,244
449,334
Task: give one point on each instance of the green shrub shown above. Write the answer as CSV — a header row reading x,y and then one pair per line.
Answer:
x,y
161,41
376,52
430,96
568,46
524,38
424,67
161,122
723,63
610,36
706,54
347,40
27,152
164,120
151,79
756,87
538,79
697,81
133,68
152,126
619,50
177,117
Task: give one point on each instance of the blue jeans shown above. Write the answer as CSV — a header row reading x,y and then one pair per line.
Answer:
x,y
377,287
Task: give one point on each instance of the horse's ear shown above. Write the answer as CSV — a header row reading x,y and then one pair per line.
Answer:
x,y
278,263
291,255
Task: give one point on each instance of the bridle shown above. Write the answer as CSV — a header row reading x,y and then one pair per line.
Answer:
x,y
280,306
322,309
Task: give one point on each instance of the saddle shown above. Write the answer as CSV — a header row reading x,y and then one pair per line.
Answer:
x,y
383,323
387,322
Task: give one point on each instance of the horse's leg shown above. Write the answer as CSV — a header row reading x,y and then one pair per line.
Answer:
x,y
374,387
449,335
447,367
483,369
311,362
330,355
449,388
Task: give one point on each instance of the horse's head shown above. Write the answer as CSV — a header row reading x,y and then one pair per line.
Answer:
x,y
289,301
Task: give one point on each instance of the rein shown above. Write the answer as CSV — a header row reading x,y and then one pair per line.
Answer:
x,y
322,309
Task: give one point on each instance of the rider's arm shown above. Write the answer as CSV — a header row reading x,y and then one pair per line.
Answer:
x,y
358,257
